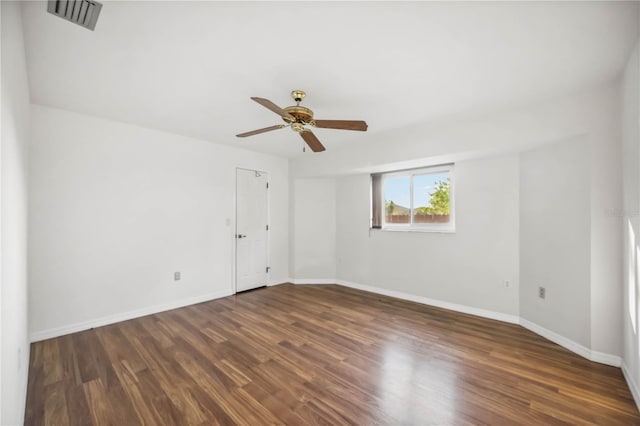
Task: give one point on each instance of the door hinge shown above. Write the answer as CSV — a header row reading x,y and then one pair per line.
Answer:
x,y
267,185
267,227
268,269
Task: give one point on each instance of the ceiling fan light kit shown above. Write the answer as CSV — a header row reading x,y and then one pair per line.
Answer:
x,y
298,117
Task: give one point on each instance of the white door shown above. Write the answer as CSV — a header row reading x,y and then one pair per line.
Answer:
x,y
251,229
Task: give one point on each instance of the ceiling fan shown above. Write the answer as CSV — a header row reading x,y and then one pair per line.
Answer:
x,y
298,117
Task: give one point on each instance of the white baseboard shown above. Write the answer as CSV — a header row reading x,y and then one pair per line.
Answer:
x,y
633,386
600,357
124,316
484,313
604,358
556,338
573,346
313,281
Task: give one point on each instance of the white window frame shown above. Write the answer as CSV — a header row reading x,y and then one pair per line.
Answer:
x,y
419,227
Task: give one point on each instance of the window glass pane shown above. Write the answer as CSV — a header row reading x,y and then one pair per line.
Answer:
x,y
397,199
431,198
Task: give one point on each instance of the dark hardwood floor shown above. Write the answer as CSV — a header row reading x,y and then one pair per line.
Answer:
x,y
324,355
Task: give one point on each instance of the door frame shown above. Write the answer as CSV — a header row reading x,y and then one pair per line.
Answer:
x,y
234,243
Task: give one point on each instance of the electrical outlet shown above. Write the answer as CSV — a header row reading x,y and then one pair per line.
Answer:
x,y
176,276
542,292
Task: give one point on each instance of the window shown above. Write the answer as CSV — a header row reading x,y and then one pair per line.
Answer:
x,y
413,200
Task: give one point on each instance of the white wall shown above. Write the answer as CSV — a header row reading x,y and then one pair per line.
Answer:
x,y
468,267
116,209
555,198
14,356
593,117
314,242
631,221
605,144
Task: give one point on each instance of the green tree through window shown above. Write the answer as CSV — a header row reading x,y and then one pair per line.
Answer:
x,y
439,201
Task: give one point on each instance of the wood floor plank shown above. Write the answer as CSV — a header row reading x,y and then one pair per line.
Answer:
x,y
317,355
162,406
34,410
55,405
98,402
51,361
77,405
140,403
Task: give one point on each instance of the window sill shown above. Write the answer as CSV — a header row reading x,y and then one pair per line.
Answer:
x,y
415,229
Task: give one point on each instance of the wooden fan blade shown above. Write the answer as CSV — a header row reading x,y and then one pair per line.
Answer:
x,y
342,124
256,132
312,141
273,107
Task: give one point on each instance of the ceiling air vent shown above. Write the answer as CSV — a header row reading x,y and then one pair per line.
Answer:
x,y
82,12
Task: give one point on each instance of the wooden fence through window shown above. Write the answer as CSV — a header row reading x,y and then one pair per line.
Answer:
x,y
418,218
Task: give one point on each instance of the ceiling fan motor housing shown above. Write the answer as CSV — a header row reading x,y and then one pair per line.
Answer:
x,y
300,113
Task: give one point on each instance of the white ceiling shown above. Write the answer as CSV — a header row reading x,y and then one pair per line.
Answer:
x,y
190,67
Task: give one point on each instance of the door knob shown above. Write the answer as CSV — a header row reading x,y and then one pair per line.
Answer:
x,y
241,236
